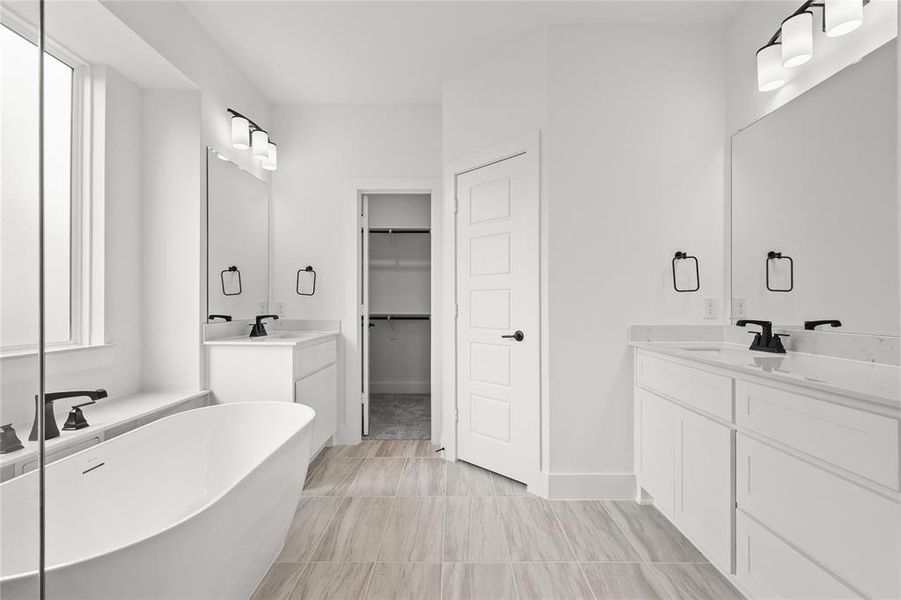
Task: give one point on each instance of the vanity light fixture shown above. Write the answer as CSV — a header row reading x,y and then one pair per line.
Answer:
x,y
792,44
797,39
770,74
270,163
842,16
240,132
247,134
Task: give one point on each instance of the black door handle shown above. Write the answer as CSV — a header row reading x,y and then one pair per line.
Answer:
x,y
518,336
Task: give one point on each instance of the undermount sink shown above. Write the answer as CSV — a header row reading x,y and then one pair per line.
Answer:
x,y
699,350
284,335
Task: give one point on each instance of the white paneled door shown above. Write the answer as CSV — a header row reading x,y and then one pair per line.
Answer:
x,y
498,320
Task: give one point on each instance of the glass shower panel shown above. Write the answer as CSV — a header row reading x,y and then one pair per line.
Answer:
x,y
20,468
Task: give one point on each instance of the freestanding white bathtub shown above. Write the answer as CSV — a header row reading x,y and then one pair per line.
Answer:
x,y
195,505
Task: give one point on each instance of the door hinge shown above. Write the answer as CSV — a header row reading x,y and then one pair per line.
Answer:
x,y
456,415
456,205
456,311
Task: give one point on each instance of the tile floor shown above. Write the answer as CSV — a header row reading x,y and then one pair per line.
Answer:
x,y
387,519
400,416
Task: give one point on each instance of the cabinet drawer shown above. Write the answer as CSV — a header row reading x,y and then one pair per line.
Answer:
x,y
861,442
769,568
311,359
853,532
703,390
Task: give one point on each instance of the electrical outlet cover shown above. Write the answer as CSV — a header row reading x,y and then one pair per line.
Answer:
x,y
710,308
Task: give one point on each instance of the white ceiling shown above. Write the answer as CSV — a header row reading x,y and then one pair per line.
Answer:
x,y
335,51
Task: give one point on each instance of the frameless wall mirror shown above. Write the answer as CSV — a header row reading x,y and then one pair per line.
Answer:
x,y
814,204
237,240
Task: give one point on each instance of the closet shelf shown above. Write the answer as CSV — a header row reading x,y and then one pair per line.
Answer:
x,y
399,230
399,317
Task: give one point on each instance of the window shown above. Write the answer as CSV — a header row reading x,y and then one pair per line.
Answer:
x,y
18,198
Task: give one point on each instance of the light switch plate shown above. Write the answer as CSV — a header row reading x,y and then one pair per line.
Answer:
x,y
280,309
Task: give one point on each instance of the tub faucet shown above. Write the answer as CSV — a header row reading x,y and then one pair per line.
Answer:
x,y
50,429
259,328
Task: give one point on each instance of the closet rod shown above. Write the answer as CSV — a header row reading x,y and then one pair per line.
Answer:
x,y
400,317
399,230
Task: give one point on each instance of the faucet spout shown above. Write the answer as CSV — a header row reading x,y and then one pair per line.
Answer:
x,y
50,428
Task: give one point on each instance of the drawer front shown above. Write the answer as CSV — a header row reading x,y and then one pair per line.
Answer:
x,y
311,359
861,442
853,532
705,391
767,567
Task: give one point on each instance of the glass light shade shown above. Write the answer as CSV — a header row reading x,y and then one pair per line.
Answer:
x,y
270,163
770,74
240,133
797,39
259,141
842,16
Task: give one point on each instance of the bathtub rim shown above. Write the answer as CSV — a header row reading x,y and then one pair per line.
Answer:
x,y
24,575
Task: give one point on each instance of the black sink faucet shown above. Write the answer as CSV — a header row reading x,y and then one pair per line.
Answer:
x,y
259,328
765,341
812,325
50,429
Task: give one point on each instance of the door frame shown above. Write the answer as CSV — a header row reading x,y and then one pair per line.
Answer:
x,y
528,145
349,420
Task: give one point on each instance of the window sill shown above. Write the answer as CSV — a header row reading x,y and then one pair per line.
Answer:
x,y
27,353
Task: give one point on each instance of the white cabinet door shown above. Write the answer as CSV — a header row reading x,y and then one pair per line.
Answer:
x,y
703,503
320,391
657,444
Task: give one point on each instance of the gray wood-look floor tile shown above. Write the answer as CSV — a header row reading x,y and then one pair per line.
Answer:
x,y
653,537
392,448
333,581
377,477
531,529
333,477
423,449
414,530
624,581
477,581
695,582
405,581
473,531
311,519
504,486
355,532
361,450
592,532
278,582
464,479
423,477
550,581
316,463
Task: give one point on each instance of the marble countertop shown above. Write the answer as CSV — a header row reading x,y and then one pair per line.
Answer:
x,y
300,339
867,381
101,416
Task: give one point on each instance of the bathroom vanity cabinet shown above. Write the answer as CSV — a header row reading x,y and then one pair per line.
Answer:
x,y
284,367
787,482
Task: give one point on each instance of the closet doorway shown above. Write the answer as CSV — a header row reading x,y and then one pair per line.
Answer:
x,y
396,316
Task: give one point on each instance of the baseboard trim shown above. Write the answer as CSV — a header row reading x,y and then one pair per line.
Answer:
x,y
399,387
591,486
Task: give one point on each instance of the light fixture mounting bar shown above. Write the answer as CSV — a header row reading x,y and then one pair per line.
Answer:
x,y
253,125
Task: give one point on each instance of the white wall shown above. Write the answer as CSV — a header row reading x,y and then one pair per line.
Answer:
x,y
321,148
117,366
635,173
172,245
633,163
176,35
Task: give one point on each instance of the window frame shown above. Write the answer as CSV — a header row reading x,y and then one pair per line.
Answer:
x,y
85,319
